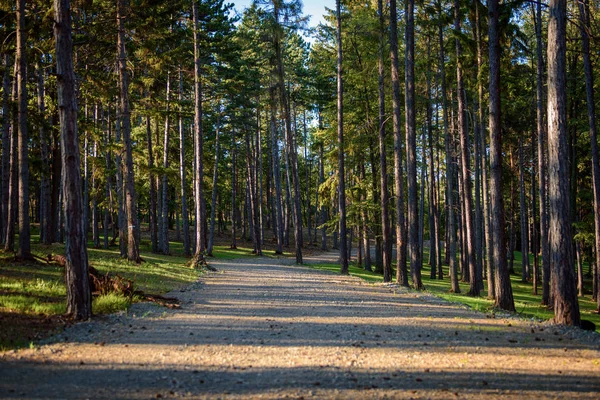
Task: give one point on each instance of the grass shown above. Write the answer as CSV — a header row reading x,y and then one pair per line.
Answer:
x,y
527,304
33,294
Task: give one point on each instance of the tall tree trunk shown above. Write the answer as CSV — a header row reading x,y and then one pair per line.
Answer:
x,y
164,214
133,229
121,215
433,223
478,133
79,299
95,227
276,173
291,148
401,271
584,24
211,235
340,133
233,191
566,307
365,227
542,164
9,241
21,61
450,227
5,148
307,168
182,173
45,211
385,212
199,143
252,192
469,232
483,159
323,213
107,175
525,273
504,296
416,260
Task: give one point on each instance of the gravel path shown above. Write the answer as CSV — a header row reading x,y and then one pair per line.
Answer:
x,y
264,328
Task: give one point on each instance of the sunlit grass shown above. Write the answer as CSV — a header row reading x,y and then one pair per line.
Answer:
x,y
527,304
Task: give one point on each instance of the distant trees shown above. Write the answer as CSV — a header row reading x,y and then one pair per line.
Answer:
x,y
291,139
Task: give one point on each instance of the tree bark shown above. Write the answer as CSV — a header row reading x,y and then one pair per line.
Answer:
x,y
164,214
133,229
22,143
468,227
79,299
385,213
182,173
584,24
45,211
566,307
6,150
276,173
198,141
416,260
340,136
211,235
504,296
401,271
525,273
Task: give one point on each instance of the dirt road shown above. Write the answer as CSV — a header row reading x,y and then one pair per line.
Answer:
x,y
263,328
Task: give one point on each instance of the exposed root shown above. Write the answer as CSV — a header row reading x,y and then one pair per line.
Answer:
x,y
199,262
108,283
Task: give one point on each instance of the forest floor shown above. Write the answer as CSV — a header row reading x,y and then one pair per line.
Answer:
x,y
265,328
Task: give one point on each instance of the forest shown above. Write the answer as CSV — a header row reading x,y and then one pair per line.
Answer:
x,y
441,134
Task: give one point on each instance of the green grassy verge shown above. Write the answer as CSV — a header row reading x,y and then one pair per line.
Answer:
x,y
33,294
527,304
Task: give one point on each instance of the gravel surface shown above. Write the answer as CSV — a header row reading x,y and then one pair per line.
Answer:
x,y
265,328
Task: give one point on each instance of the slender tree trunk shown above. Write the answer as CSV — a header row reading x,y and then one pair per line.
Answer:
x,y
307,176
525,273
401,271
469,232
365,227
79,299
6,149
107,176
211,236
182,173
133,229
95,227
45,211
504,297
164,214
23,158
584,24
385,212
323,213
566,307
198,139
542,165
233,191
9,242
252,193
291,148
276,174
433,231
340,132
416,260
483,159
